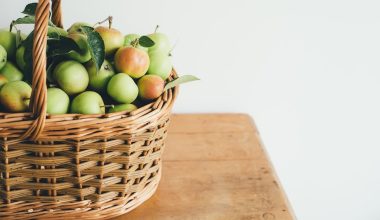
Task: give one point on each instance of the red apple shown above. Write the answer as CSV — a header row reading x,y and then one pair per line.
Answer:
x,y
132,61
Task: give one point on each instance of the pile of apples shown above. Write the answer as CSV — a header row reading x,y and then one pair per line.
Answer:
x,y
131,74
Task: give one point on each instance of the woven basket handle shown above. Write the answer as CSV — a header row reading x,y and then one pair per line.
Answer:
x,y
38,99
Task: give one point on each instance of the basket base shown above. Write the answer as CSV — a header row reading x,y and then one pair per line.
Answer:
x,y
84,210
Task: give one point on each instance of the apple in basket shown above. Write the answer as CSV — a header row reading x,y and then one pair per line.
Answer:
x,y
71,76
151,87
8,41
122,89
88,102
113,38
130,38
161,43
57,101
11,72
15,96
99,78
3,57
91,69
3,81
122,108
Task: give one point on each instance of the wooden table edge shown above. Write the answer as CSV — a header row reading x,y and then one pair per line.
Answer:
x,y
271,166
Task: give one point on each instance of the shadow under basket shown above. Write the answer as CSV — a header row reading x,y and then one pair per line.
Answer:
x,y
78,166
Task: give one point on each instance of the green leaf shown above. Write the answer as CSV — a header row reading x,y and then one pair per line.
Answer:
x,y
180,80
95,45
145,41
29,19
25,20
57,45
30,9
50,69
61,46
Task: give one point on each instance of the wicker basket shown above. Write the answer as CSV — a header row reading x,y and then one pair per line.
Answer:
x,y
78,166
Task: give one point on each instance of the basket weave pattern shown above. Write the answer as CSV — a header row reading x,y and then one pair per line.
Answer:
x,y
78,166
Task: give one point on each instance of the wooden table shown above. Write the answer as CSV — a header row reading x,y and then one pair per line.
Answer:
x,y
215,167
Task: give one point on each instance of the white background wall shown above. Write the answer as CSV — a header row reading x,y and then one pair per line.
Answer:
x,y
307,71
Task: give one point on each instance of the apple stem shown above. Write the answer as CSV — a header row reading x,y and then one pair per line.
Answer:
x,y
109,19
157,27
135,43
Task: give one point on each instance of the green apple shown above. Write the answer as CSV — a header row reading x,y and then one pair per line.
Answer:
x,y
150,87
113,39
57,101
76,27
15,96
160,64
3,81
3,57
8,41
122,108
100,79
71,76
11,72
128,40
20,58
84,55
122,88
57,30
161,43
88,103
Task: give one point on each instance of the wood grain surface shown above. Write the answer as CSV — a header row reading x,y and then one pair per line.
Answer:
x,y
215,167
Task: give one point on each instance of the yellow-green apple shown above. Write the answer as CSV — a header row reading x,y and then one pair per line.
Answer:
x,y
3,57
76,27
130,38
8,41
150,87
11,72
57,101
71,76
20,58
58,31
15,96
84,55
132,61
113,39
160,65
99,79
88,102
122,108
122,88
161,43
3,81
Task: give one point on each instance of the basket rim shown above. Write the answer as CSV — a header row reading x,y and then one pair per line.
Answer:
x,y
92,126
